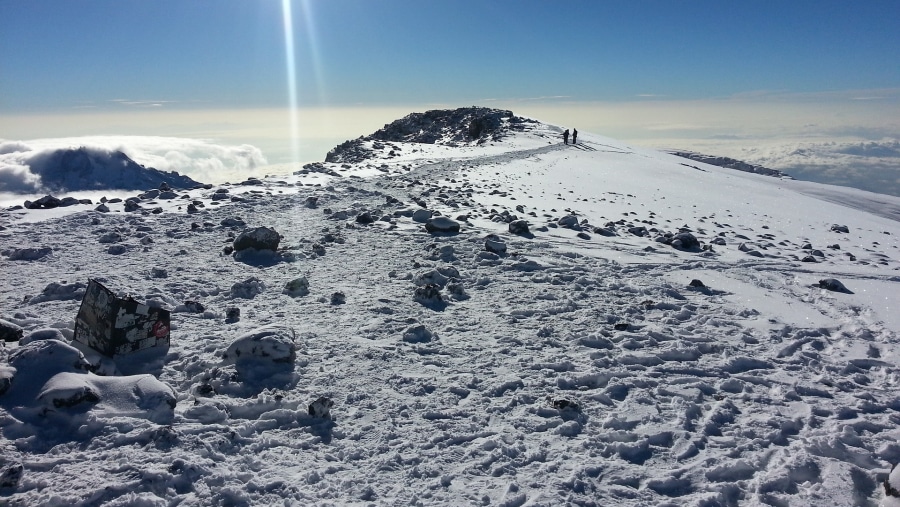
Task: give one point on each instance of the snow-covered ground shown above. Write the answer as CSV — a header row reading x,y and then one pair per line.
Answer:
x,y
587,361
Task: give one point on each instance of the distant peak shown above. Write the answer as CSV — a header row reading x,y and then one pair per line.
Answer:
x,y
450,127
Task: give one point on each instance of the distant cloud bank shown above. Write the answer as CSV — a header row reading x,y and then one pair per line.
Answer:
x,y
869,165
199,159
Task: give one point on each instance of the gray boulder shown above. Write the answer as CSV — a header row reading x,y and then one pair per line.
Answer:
x,y
260,238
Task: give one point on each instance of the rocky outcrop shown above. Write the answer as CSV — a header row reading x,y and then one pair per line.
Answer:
x,y
451,127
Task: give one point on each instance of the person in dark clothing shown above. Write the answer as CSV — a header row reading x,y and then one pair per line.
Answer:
x,y
566,136
574,136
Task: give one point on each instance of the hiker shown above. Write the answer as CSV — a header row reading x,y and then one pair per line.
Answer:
x,y
566,136
574,135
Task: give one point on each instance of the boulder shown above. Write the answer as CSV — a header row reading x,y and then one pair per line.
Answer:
x,y
834,285
493,243
46,202
10,332
442,225
321,408
570,221
840,228
519,227
29,254
260,238
272,345
422,215
685,241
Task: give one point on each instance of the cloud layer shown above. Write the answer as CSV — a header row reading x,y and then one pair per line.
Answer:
x,y
199,159
869,165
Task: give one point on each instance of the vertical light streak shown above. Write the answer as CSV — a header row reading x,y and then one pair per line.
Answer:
x,y
291,66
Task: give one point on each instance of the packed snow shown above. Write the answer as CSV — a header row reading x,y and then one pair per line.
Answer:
x,y
474,316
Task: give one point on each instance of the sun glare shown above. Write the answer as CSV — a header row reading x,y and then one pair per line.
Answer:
x,y
292,79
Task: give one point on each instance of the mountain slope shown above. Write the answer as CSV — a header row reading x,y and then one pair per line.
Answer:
x,y
577,363
95,169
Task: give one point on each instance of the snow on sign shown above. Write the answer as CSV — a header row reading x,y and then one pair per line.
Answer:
x,y
113,325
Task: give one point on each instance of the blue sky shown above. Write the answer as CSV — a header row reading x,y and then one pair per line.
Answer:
x,y
728,78
227,53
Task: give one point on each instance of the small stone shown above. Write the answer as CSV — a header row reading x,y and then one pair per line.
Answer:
x,y
232,314
834,285
519,227
696,283
194,307
321,408
840,228
492,243
338,298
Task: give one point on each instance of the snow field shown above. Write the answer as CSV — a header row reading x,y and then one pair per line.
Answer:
x,y
567,371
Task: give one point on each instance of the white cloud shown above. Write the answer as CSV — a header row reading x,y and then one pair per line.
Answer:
x,y
200,159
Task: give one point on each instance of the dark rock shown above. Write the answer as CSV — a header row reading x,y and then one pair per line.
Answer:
x,y
110,237
10,332
321,408
604,231
563,404
834,285
685,241
570,221
311,202
232,314
809,258
442,225
132,205
338,298
639,231
10,475
116,249
422,215
697,283
46,202
583,235
102,208
840,228
519,227
365,218
233,222
621,326
261,238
